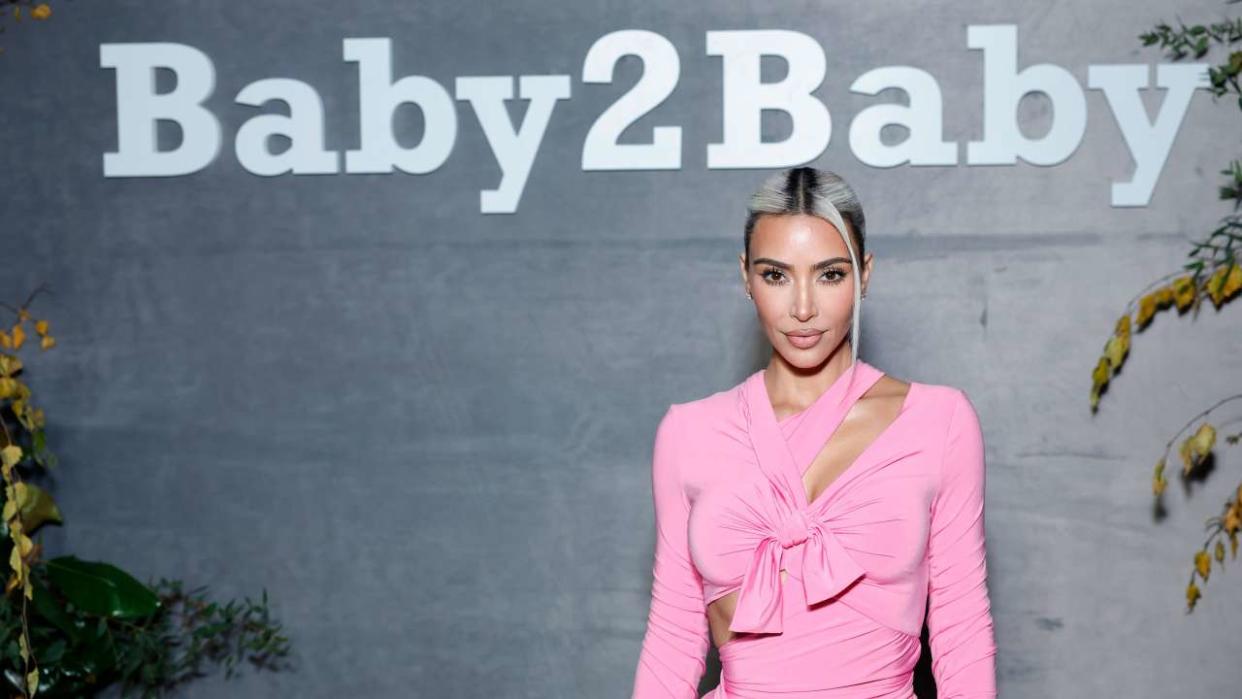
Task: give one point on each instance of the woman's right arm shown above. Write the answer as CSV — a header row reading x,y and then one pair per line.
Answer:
x,y
674,650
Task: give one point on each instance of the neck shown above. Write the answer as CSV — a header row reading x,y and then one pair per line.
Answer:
x,y
798,387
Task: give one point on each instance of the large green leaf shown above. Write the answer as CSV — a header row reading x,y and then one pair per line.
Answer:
x,y
49,608
102,588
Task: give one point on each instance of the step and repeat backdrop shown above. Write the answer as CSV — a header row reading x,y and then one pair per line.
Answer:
x,y
376,306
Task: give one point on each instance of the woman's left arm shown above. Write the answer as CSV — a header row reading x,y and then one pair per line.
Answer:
x,y
959,616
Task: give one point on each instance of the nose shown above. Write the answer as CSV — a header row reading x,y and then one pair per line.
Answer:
x,y
804,303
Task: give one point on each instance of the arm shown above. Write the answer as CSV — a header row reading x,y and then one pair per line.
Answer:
x,y
674,650
959,617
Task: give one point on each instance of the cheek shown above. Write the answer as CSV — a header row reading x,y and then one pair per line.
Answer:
x,y
771,308
838,303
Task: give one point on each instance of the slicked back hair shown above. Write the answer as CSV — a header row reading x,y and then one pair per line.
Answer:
x,y
807,190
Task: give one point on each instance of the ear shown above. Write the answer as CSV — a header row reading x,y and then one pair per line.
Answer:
x,y
741,264
866,275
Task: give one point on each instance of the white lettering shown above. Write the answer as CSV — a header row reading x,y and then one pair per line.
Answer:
x,y
661,71
303,127
923,118
379,97
745,98
515,150
1004,86
1149,143
138,108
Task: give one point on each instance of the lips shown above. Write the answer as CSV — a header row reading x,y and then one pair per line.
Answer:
x,y
804,339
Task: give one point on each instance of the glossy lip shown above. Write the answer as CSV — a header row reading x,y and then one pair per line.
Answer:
x,y
804,339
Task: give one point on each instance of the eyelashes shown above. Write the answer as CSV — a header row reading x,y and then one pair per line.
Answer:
x,y
776,277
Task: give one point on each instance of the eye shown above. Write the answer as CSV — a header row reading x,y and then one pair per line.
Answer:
x,y
834,275
772,276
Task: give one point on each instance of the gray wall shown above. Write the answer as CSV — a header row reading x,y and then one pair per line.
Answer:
x,y
426,429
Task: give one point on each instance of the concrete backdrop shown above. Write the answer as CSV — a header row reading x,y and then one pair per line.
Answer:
x,y
426,430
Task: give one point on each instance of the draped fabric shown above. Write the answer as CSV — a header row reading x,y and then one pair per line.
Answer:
x,y
904,520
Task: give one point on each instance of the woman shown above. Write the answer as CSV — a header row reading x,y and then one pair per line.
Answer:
x,y
806,516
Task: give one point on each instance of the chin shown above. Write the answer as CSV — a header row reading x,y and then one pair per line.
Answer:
x,y
804,359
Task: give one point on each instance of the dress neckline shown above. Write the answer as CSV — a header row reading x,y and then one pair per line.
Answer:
x,y
838,386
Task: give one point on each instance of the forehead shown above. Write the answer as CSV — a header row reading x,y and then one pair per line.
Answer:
x,y
796,235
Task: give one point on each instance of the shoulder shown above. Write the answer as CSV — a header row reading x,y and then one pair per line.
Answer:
x,y
708,410
942,400
946,410
962,452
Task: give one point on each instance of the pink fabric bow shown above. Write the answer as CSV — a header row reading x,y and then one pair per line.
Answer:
x,y
811,552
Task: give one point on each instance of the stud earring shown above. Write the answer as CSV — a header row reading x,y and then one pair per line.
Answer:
x,y
749,296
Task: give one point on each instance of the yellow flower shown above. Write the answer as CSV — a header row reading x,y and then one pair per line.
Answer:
x,y
1204,440
1116,349
41,327
5,341
1147,309
25,544
1196,447
48,342
1184,292
1216,285
10,455
1220,550
1164,296
1188,458
1192,595
1158,481
19,336
1234,281
1233,518
1203,564
41,11
1123,326
15,564
1101,373
9,364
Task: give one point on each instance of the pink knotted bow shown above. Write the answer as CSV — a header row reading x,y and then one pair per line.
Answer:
x,y
824,567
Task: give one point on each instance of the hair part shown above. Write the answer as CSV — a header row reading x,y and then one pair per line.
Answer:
x,y
807,190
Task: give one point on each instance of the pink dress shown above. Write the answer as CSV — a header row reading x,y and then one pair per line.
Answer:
x,y
902,525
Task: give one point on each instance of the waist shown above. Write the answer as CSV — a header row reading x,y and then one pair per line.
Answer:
x,y
827,651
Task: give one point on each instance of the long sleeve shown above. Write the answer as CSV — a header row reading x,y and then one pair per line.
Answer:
x,y
959,616
674,651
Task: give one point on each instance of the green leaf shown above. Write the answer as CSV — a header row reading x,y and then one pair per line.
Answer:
x,y
48,607
102,588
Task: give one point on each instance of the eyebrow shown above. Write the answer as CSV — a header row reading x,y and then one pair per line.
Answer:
x,y
786,265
